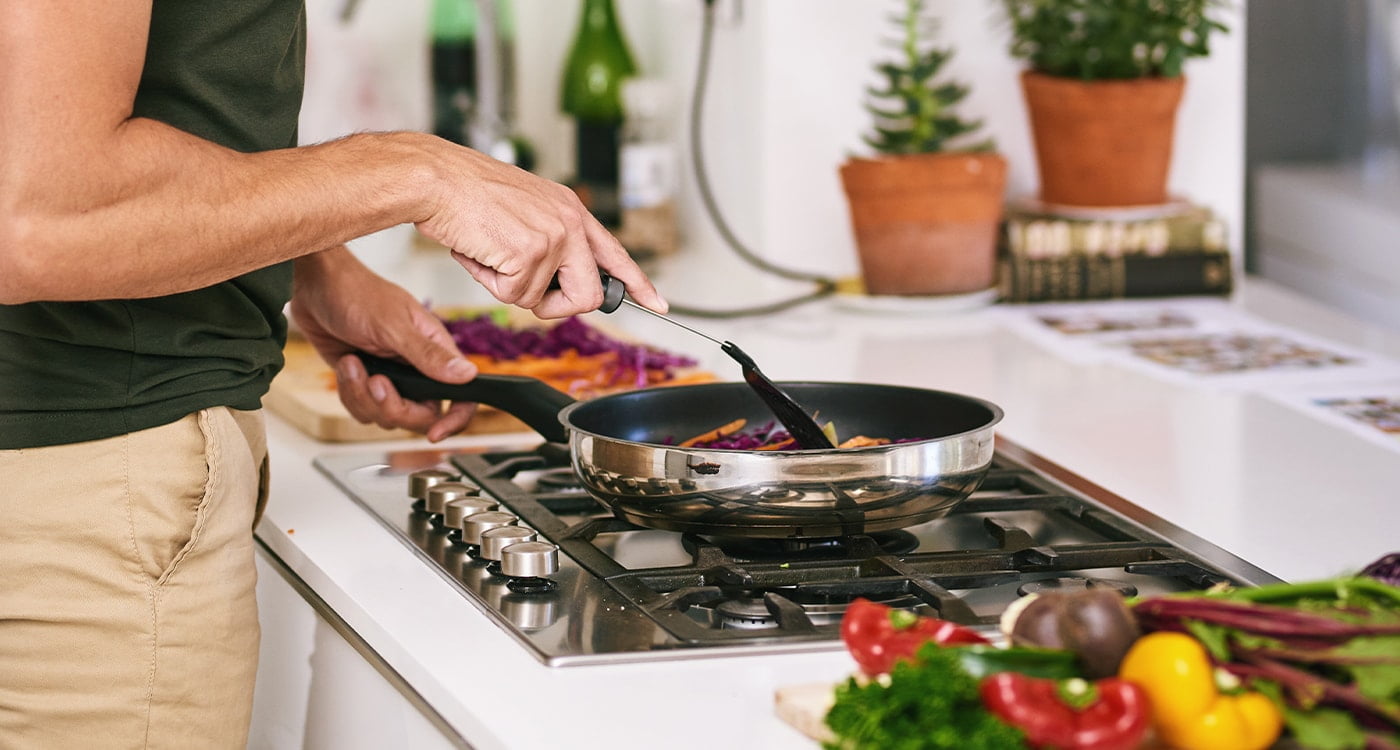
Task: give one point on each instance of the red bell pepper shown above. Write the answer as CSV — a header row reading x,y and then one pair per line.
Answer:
x,y
1075,714
878,635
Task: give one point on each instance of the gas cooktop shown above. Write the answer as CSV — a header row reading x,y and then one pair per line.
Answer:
x,y
511,529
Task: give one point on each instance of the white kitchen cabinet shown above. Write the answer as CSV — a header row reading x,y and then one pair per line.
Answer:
x,y
317,691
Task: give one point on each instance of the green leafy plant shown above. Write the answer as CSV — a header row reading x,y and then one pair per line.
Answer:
x,y
1111,39
915,112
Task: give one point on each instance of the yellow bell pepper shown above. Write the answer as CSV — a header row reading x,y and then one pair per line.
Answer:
x,y
1189,709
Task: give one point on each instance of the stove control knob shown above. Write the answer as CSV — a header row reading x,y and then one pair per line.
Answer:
x,y
494,541
529,560
456,511
440,495
475,525
419,482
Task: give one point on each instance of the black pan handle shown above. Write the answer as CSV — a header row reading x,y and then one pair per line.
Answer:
x,y
530,400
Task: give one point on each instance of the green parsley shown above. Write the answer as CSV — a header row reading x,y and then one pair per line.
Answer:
x,y
929,704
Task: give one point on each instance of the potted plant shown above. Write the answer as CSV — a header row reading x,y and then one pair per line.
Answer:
x,y
1102,87
925,209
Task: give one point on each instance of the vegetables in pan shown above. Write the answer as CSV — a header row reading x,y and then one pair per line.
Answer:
x,y
1073,714
1189,709
770,436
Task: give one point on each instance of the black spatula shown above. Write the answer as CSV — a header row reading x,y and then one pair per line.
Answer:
x,y
798,422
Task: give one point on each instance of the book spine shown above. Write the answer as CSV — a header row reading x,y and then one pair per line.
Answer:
x,y
1046,237
1080,277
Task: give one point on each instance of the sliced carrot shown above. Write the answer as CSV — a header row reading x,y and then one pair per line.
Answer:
x,y
715,434
861,441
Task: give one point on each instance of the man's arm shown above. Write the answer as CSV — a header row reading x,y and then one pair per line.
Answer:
x,y
97,204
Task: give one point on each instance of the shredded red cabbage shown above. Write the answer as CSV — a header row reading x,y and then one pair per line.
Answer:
x,y
748,440
482,335
765,436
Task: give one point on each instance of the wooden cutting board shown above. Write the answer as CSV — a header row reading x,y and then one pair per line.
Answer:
x,y
804,707
304,395
304,392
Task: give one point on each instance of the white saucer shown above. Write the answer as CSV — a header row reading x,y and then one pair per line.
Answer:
x,y
1174,207
892,304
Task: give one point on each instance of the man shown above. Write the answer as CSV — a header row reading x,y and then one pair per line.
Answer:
x,y
155,217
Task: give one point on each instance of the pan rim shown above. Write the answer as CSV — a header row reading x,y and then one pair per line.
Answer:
x,y
997,415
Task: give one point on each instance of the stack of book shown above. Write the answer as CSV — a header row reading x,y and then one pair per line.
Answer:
x,y
1049,253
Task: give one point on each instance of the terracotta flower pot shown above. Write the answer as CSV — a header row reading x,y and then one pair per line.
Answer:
x,y
1102,143
926,224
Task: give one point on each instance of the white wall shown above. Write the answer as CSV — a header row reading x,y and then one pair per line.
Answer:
x,y
785,107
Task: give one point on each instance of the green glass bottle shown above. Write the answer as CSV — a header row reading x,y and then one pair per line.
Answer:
x,y
453,27
598,62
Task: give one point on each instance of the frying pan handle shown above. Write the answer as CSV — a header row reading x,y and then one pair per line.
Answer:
x,y
532,401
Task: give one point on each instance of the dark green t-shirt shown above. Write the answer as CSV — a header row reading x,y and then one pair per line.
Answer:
x,y
229,71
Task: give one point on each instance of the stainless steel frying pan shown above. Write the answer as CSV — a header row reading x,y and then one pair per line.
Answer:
x,y
623,449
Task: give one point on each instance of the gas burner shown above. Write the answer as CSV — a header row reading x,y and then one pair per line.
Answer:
x,y
744,614
752,612
555,480
771,495
1075,583
897,542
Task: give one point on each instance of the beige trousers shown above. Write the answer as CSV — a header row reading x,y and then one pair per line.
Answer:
x,y
127,610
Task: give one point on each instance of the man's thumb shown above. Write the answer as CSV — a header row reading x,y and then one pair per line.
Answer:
x,y
440,362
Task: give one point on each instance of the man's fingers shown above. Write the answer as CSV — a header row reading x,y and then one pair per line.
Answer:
x,y
374,400
580,287
394,411
453,421
353,389
613,258
436,355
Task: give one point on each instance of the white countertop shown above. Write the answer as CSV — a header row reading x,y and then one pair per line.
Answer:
x,y
1297,496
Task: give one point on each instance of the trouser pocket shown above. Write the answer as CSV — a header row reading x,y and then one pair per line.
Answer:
x,y
171,471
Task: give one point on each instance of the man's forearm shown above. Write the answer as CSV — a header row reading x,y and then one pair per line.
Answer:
x,y
97,203
156,211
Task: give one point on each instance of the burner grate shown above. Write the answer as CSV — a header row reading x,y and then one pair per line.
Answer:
x,y
778,574
627,593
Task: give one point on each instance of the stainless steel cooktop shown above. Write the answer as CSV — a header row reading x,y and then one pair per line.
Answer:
x,y
575,585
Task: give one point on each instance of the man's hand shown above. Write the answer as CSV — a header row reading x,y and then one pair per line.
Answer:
x,y
343,307
513,231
